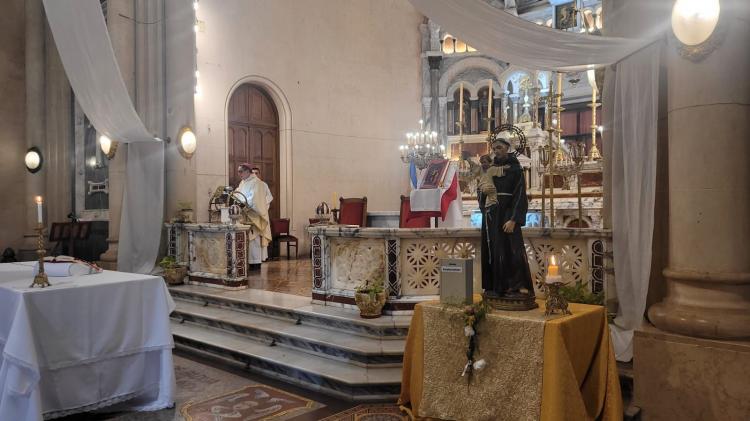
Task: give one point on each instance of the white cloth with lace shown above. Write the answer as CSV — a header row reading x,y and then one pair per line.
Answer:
x,y
83,343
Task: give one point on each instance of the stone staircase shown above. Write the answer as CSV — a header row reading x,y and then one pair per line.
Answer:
x,y
326,349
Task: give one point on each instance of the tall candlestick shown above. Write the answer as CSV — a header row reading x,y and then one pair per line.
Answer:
x,y
489,108
38,201
461,109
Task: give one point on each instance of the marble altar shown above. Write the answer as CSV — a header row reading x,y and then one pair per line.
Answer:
x,y
216,254
408,259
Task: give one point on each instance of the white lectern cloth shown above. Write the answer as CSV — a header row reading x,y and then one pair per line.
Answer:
x,y
429,200
84,343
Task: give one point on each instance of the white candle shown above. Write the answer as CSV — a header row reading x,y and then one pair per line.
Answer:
x,y
461,108
489,108
38,201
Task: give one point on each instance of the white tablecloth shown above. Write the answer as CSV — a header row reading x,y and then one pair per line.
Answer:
x,y
84,343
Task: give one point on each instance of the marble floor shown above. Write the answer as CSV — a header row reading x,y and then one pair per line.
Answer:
x,y
292,276
200,378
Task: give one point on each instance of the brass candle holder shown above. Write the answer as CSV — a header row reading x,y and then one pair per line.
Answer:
x,y
40,280
555,302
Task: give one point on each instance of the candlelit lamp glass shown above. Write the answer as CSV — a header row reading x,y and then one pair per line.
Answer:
x,y
552,283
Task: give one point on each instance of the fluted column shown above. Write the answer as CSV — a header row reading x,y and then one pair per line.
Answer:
x,y
122,34
434,61
708,276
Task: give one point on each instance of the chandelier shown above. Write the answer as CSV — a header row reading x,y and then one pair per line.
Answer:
x,y
422,147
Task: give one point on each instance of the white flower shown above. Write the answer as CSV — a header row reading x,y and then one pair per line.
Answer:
x,y
468,331
480,364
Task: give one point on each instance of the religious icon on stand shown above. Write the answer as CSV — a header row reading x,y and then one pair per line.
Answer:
x,y
434,173
565,15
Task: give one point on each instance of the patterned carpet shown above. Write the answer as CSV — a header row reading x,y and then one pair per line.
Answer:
x,y
370,412
254,402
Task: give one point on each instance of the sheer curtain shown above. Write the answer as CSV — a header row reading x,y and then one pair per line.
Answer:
x,y
85,49
632,90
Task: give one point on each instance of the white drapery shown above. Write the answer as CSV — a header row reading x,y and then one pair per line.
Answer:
x,y
518,41
85,49
633,93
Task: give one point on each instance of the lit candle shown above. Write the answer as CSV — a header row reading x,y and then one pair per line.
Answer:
x,y
334,199
553,271
38,201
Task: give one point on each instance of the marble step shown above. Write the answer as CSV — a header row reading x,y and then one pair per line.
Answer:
x,y
335,378
295,308
338,345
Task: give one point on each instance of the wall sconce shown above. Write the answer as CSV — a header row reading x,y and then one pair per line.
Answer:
x,y
694,24
33,159
187,142
109,147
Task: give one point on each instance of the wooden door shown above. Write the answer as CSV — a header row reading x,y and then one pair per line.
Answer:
x,y
254,138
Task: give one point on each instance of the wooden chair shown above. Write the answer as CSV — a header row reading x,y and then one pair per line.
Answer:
x,y
353,211
280,234
407,218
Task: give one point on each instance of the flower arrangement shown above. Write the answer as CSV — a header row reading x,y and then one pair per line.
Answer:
x,y
472,315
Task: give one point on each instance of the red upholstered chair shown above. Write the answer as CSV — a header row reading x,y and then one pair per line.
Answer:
x,y
353,211
280,234
406,219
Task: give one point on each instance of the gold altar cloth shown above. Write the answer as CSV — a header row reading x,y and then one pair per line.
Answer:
x,y
579,373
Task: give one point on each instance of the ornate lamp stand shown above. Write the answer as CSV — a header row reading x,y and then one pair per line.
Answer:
x,y
40,280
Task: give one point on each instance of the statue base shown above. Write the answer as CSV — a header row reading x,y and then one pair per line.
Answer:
x,y
519,303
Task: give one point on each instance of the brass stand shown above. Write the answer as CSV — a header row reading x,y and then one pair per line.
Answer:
x,y
40,280
555,302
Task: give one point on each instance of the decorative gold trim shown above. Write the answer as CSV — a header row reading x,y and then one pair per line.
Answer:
x,y
696,53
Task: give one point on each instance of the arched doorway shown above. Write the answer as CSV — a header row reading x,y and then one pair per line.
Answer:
x,y
253,137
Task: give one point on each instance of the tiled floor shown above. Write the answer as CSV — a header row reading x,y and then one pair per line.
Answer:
x,y
288,276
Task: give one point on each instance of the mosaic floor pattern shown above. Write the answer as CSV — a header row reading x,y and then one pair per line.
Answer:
x,y
255,402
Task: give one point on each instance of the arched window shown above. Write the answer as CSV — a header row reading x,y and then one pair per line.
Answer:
x,y
454,107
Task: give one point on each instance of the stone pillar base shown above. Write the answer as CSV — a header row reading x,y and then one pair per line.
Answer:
x,y
706,305
684,378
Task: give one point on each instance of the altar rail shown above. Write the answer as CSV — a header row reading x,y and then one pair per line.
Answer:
x,y
409,260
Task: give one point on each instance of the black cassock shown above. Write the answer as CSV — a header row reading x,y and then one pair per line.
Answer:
x,y
504,263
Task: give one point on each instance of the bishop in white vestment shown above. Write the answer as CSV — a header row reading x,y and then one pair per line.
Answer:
x,y
256,199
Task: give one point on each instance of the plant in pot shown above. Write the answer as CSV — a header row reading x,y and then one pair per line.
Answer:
x,y
174,273
370,298
185,212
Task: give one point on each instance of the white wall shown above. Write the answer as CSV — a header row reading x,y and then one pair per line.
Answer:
x,y
349,71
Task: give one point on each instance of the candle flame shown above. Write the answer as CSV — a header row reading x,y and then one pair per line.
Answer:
x,y
38,200
552,260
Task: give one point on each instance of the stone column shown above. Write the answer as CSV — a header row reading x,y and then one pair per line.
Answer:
x,y
443,118
434,61
708,276
504,109
122,34
35,118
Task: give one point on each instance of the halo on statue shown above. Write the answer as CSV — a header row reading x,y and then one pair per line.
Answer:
x,y
512,134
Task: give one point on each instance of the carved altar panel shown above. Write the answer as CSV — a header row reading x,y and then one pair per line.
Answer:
x,y
356,260
420,262
209,252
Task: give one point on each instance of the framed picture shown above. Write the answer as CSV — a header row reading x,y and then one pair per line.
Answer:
x,y
433,174
565,15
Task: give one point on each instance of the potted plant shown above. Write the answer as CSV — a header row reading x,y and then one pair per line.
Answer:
x,y
185,211
174,273
370,298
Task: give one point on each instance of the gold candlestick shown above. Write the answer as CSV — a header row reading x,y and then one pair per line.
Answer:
x,y
40,280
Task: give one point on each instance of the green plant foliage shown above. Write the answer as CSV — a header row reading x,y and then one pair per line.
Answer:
x,y
168,262
579,293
